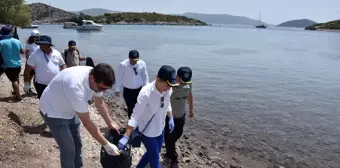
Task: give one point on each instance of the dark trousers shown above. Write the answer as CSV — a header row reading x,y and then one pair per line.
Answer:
x,y
171,139
130,97
39,88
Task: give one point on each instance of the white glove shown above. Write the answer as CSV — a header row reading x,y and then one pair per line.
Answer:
x,y
111,149
27,87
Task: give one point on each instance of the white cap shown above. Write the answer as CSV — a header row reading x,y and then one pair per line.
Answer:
x,y
35,33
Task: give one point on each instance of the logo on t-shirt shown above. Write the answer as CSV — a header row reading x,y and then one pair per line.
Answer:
x,y
186,75
173,75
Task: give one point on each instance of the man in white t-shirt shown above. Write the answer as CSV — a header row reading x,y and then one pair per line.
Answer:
x,y
65,101
47,63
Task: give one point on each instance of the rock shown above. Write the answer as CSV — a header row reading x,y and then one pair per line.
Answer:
x,y
235,166
186,159
185,137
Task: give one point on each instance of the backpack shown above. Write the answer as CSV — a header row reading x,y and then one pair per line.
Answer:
x,y
124,160
66,54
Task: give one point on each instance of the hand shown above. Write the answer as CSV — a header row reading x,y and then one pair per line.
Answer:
x,y
117,94
113,126
27,87
122,142
191,114
171,124
111,149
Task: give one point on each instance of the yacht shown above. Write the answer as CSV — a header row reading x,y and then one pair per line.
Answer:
x,y
89,25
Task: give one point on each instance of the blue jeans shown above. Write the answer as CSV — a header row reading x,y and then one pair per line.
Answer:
x,y
153,148
67,133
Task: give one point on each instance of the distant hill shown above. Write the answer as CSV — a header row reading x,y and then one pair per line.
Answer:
x,y
332,25
95,11
297,23
44,13
222,19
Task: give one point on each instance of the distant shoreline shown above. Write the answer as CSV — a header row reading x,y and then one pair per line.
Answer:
x,y
160,24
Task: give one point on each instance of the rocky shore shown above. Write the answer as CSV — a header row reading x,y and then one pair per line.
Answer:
x,y
23,145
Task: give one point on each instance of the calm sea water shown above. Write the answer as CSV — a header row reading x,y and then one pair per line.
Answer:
x,y
271,94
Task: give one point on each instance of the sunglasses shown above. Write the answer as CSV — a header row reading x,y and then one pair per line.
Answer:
x,y
162,102
134,69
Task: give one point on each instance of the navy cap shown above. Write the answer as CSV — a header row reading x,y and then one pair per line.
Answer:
x,y
72,43
168,74
44,40
5,30
134,55
185,74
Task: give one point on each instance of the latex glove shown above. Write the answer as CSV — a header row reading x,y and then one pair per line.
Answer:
x,y
111,149
27,87
171,124
122,142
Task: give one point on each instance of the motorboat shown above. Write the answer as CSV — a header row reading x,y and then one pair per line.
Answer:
x,y
32,26
89,25
70,25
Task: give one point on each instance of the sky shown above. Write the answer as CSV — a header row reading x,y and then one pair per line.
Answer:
x,y
273,11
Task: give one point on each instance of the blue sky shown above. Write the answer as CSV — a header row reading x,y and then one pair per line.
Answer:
x,y
273,11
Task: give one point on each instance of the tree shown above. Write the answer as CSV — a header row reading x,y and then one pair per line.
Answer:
x,y
15,12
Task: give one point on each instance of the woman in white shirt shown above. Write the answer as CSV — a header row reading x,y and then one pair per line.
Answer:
x,y
31,47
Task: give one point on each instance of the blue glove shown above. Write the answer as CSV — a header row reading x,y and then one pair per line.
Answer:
x,y
122,142
171,124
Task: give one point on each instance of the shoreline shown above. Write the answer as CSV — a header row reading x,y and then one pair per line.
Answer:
x,y
155,23
23,145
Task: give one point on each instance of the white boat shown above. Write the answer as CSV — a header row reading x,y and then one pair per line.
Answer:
x,y
70,25
32,26
89,25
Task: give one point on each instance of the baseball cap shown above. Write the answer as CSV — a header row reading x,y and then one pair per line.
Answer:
x,y
72,43
185,74
5,30
35,33
134,55
168,74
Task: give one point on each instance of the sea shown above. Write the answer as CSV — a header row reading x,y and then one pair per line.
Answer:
x,y
272,94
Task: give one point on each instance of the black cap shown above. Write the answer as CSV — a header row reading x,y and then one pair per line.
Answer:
x,y
5,30
44,40
134,55
72,43
185,74
168,74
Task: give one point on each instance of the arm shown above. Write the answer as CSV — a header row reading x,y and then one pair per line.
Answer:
x,y
138,110
27,52
190,102
82,58
169,110
21,49
75,96
145,76
93,130
62,63
119,77
102,109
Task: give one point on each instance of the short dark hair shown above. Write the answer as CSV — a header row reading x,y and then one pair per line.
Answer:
x,y
103,73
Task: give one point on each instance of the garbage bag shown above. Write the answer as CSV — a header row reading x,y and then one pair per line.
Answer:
x,y
124,160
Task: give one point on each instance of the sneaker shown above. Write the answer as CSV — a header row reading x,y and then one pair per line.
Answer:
x,y
174,164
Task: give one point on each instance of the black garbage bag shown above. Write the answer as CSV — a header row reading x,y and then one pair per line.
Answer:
x,y
124,160
89,62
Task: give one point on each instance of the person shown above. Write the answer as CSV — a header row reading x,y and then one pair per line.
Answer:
x,y
132,74
47,63
64,104
153,104
15,33
31,47
11,50
180,95
72,55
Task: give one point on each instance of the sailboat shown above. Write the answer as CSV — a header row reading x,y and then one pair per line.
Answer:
x,y
261,26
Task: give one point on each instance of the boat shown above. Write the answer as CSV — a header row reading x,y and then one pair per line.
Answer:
x,y
32,26
70,25
260,26
89,25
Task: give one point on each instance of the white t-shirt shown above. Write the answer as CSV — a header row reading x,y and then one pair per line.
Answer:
x,y
32,48
46,66
148,104
68,93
